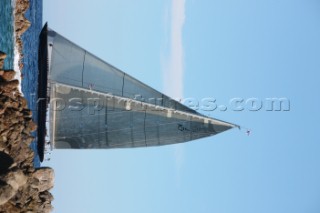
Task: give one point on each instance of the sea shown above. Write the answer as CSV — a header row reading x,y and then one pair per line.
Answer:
x,y
30,39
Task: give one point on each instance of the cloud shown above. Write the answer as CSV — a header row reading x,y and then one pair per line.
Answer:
x,y
173,69
174,65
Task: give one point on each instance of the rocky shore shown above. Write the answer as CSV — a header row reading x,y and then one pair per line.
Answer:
x,y
21,25
22,187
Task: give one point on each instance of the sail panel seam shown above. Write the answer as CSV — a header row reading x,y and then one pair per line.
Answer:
x,y
84,60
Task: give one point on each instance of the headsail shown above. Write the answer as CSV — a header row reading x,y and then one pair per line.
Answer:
x,y
95,105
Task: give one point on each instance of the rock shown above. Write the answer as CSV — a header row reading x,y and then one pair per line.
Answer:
x,y
22,187
26,113
13,181
8,75
46,196
20,191
2,55
27,139
44,179
9,85
30,126
13,135
6,193
22,25
2,109
12,93
11,104
22,6
3,146
16,179
26,198
23,102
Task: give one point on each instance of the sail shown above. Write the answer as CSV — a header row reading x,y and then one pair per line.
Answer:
x,y
92,104
74,66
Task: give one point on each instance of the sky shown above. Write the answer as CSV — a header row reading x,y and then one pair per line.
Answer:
x,y
238,55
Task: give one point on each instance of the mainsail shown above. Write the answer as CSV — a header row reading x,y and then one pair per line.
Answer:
x,y
89,103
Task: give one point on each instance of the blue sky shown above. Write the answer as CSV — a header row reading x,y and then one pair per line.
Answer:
x,y
207,49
